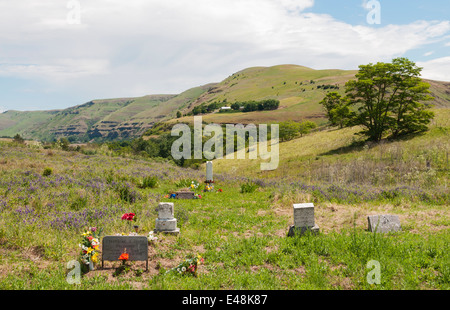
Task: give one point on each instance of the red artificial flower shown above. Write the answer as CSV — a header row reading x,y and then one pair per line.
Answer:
x,y
128,216
220,190
124,257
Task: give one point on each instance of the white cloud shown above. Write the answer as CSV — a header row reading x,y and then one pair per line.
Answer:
x,y
137,47
436,69
57,70
428,53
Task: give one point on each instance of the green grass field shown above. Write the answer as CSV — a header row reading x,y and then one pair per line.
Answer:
x,y
241,236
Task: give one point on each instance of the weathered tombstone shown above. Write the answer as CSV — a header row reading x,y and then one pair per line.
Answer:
x,y
384,223
209,172
166,222
135,246
303,219
185,195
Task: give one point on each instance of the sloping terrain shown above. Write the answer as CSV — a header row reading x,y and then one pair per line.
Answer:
x,y
299,90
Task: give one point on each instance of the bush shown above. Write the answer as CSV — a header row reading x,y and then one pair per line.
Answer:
x,y
47,172
126,193
185,183
249,187
79,203
150,182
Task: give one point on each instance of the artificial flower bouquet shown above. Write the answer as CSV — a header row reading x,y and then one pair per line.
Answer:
x,y
90,246
151,237
130,217
194,185
189,266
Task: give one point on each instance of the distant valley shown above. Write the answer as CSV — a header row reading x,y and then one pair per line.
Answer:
x,y
299,90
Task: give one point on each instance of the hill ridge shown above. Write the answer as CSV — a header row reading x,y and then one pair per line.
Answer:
x,y
298,88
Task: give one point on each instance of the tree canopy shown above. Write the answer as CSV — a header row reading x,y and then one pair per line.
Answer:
x,y
385,98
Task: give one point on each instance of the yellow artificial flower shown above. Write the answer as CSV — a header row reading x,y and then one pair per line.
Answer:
x,y
89,250
94,258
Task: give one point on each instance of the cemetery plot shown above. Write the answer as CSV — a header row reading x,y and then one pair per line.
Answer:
x,y
135,246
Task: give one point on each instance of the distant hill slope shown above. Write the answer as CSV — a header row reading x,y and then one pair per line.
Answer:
x,y
99,120
298,88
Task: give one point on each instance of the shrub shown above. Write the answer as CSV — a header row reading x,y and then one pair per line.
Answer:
x,y
79,203
184,183
150,182
249,187
126,193
47,172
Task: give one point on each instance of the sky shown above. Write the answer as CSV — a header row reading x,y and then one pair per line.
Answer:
x,y
56,54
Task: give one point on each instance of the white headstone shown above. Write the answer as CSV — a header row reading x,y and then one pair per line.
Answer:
x,y
166,222
303,219
304,215
165,210
209,171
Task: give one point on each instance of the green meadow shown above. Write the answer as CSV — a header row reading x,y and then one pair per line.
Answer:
x,y
49,197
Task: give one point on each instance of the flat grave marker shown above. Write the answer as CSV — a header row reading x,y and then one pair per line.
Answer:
x,y
185,195
384,223
135,246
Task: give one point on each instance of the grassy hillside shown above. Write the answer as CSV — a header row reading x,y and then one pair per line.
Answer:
x,y
98,119
340,158
23,123
299,90
241,235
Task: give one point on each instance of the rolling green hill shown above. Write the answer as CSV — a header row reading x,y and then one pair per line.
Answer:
x,y
98,120
299,90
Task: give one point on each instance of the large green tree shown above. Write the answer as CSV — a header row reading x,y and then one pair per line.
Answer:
x,y
337,108
389,98
385,98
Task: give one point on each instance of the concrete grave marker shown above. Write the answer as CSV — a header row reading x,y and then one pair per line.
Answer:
x,y
209,172
135,246
166,222
384,223
185,195
303,219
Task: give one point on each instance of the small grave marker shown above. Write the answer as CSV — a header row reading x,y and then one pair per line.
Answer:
x,y
166,222
114,246
384,223
185,195
303,219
